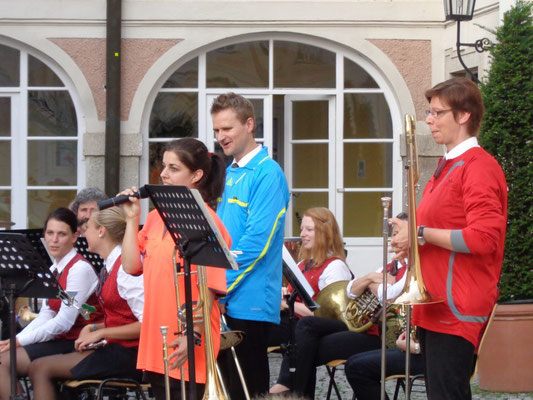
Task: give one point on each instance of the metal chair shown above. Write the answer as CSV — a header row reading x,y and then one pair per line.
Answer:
x,y
118,388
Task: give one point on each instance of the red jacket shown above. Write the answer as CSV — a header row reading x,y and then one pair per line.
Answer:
x,y
470,198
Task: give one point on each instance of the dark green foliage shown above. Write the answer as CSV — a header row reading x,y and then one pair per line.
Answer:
x,y
507,133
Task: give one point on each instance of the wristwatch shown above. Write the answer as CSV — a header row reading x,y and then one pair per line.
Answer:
x,y
421,240
417,348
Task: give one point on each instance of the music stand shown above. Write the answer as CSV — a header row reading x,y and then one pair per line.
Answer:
x,y
305,292
198,241
36,235
22,273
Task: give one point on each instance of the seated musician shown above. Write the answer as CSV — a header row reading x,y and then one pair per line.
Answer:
x,y
122,297
321,340
363,370
322,262
57,325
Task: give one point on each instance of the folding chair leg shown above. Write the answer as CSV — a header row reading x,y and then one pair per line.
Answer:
x,y
332,383
399,384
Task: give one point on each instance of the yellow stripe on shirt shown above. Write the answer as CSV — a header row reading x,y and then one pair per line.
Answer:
x,y
239,278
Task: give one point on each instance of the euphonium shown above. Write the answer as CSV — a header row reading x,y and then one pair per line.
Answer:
x,y
358,314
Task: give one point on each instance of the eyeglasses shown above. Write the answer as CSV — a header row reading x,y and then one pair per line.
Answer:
x,y
436,114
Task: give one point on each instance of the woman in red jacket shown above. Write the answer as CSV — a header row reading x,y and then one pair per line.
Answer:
x,y
462,219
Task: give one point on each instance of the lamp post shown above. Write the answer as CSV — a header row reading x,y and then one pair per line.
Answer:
x,y
463,10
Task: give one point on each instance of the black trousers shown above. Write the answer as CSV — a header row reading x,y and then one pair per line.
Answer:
x,y
318,341
253,358
157,381
363,371
449,362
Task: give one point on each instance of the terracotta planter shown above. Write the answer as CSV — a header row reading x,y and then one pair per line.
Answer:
x,y
506,357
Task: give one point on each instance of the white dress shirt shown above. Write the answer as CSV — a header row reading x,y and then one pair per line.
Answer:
x,y
130,287
246,159
81,283
393,289
462,148
337,270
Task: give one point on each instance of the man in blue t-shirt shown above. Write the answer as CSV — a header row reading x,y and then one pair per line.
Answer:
x,y
253,208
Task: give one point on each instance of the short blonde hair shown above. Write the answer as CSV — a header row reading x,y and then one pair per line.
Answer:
x,y
328,240
114,220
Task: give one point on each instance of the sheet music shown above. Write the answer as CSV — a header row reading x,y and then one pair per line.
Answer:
x,y
289,261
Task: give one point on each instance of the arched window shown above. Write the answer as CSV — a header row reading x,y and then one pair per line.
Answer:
x,y
325,115
38,140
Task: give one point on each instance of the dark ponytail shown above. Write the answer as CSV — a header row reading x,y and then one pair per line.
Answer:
x,y
194,155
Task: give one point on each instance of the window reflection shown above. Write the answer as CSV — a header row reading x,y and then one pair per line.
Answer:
x,y
5,205
367,165
43,202
5,116
5,163
174,115
366,115
310,119
357,77
155,165
185,77
238,65
51,113
298,65
52,163
9,66
41,75
310,161
363,214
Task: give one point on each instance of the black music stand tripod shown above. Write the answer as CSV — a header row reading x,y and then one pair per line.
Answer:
x,y
22,273
198,241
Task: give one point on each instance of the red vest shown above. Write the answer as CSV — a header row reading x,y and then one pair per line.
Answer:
x,y
117,311
55,304
313,274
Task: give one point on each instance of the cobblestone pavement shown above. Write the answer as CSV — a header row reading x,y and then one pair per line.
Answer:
x,y
346,391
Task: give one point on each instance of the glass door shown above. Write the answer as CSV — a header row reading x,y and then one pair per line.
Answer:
x,y
309,155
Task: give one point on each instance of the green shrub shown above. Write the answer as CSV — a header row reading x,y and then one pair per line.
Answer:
x,y
507,133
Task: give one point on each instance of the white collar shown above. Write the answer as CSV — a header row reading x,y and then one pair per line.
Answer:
x,y
112,257
60,266
248,157
461,148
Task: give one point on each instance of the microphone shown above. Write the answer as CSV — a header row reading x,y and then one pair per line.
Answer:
x,y
142,193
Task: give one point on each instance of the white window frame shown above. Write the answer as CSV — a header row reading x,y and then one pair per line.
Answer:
x,y
20,139
288,152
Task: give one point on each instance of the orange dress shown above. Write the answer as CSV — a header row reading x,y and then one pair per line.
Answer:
x,y
160,309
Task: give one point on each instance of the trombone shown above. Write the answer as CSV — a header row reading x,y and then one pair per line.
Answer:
x,y
414,291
